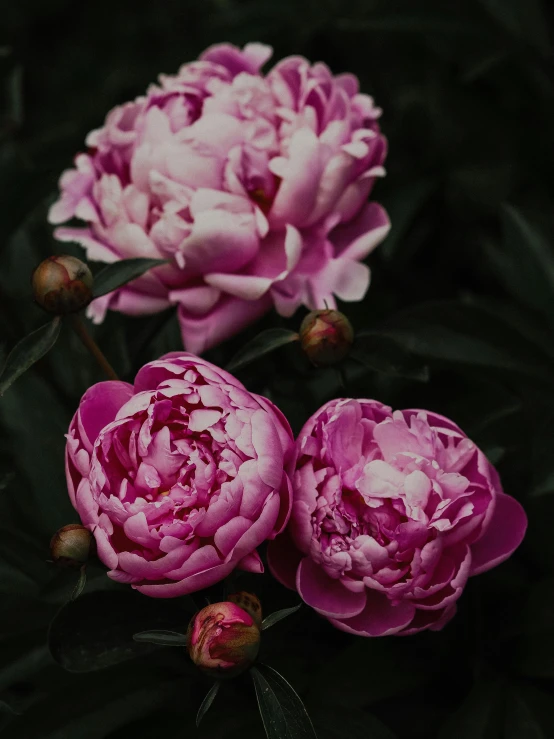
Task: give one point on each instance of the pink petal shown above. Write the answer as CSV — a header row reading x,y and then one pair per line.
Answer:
x,y
296,196
504,534
283,558
99,407
356,239
379,617
251,563
226,319
329,597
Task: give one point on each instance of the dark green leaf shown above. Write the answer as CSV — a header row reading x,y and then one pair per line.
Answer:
x,y
526,262
349,724
466,334
536,649
120,273
81,582
418,23
479,716
162,638
396,668
96,631
6,708
525,21
403,206
207,702
89,708
386,357
277,616
528,713
28,351
264,343
283,713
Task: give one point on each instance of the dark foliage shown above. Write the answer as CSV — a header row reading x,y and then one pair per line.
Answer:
x,y
459,320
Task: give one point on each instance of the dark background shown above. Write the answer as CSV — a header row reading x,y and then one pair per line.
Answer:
x,y
460,320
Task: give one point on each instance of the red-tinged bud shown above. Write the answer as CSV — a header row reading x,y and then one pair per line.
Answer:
x,y
326,336
71,546
62,284
223,640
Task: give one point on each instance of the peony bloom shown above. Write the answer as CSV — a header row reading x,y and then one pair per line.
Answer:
x,y
223,640
392,512
179,477
253,188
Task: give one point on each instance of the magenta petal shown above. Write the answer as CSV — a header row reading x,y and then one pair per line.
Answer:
x,y
283,558
227,318
259,531
328,597
251,563
191,584
502,537
379,617
99,406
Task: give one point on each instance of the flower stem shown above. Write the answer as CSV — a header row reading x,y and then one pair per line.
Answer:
x,y
81,331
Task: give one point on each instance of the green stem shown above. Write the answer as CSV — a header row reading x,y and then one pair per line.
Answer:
x,y
81,331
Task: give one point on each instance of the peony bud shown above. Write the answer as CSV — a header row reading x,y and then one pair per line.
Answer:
x,y
223,640
326,336
62,284
71,546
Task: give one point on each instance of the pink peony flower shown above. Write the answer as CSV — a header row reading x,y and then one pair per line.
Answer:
x,y
223,640
392,512
180,477
254,188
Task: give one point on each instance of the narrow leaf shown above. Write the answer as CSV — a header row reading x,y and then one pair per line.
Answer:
x,y
81,582
277,616
120,273
283,713
261,344
28,351
206,703
96,630
161,638
384,356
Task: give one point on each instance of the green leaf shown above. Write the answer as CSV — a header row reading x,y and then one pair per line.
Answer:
x,y
349,724
535,656
96,631
89,708
465,334
525,21
403,205
264,343
207,702
81,582
283,713
525,264
397,667
277,616
479,716
28,351
120,273
528,713
384,356
162,638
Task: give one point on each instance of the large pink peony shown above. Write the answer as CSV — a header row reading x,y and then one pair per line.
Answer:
x,y
392,513
180,477
254,188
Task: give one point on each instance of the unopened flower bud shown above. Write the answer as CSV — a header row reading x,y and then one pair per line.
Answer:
x,y
62,284
223,640
326,336
71,546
